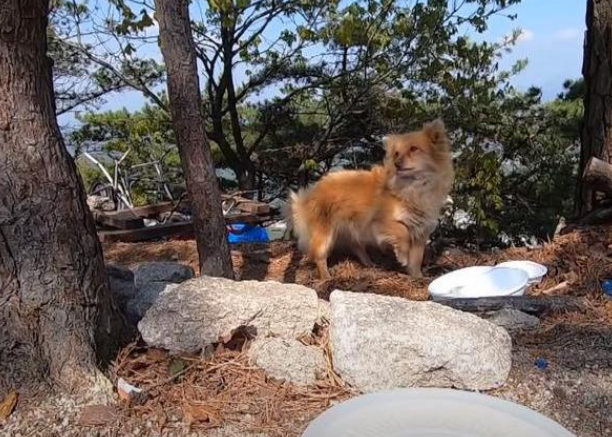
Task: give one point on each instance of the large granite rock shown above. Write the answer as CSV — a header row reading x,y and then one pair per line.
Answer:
x,y
381,342
288,360
203,310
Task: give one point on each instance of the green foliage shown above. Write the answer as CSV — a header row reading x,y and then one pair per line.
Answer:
x,y
515,156
95,55
379,66
147,133
392,66
89,174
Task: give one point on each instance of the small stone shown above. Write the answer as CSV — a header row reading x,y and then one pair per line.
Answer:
x,y
288,360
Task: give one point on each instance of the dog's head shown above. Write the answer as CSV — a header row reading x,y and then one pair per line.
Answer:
x,y
418,153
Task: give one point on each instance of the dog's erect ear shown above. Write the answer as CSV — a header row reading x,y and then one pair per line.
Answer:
x,y
436,131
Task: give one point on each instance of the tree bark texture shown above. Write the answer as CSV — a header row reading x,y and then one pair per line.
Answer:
x,y
56,312
179,53
597,72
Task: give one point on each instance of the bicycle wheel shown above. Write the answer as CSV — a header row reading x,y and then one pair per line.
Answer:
x,y
102,189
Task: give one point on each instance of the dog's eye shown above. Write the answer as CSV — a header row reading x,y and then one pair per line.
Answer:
x,y
414,149
396,154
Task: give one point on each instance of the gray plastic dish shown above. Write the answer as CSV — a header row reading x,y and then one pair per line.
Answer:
x,y
431,412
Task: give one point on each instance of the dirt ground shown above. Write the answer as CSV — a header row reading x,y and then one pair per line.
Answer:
x,y
220,394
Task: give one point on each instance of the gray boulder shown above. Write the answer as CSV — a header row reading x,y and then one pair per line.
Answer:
x,y
121,283
146,296
204,310
381,342
162,272
288,360
514,320
116,271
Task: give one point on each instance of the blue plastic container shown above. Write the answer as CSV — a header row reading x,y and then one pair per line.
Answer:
x,y
245,233
606,285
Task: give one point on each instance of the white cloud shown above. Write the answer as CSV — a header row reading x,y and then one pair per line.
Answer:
x,y
568,34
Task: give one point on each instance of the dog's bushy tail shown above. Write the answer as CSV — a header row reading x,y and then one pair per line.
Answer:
x,y
294,214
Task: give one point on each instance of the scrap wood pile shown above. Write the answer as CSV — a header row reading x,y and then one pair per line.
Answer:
x,y
221,388
172,218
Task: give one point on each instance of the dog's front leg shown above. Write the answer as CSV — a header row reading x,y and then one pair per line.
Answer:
x,y
396,234
415,259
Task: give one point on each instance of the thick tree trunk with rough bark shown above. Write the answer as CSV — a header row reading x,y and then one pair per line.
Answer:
x,y
56,312
178,49
597,71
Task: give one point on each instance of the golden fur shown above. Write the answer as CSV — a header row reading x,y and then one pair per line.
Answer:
x,y
395,204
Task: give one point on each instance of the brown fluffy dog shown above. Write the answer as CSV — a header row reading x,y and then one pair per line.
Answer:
x,y
395,204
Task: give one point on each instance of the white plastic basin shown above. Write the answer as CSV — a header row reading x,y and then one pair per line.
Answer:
x,y
479,281
534,270
432,412
276,231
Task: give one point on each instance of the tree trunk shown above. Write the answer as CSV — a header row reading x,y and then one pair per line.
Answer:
x,y
247,178
597,71
56,312
178,49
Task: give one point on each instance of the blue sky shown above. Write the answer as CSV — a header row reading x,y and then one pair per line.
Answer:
x,y
552,41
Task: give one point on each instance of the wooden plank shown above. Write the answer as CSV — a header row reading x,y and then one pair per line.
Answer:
x,y
118,220
184,229
248,205
248,208
254,208
158,208
149,210
528,304
250,219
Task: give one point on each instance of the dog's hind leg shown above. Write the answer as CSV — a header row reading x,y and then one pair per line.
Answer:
x,y
360,251
320,246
